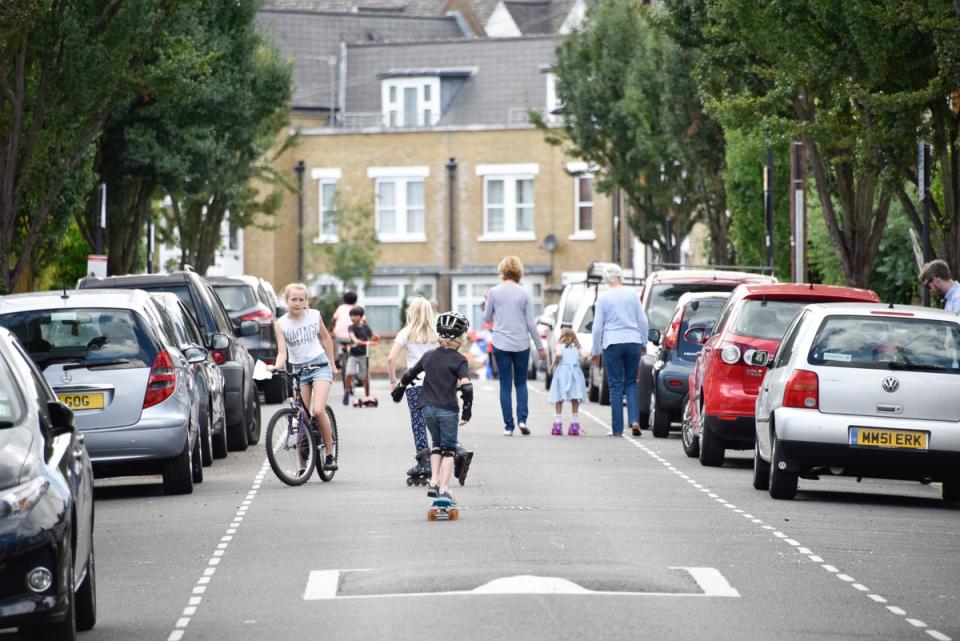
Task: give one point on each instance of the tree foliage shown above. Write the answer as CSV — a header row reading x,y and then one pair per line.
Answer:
x,y
352,258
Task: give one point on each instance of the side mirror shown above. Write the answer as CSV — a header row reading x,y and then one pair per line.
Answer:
x,y
195,354
248,328
760,358
695,335
61,418
219,341
654,336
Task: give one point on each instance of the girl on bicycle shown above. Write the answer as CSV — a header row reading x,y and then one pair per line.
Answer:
x,y
302,339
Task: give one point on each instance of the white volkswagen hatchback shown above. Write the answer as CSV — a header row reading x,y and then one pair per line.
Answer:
x,y
863,390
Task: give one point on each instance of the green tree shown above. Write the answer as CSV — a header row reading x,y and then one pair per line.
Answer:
x,y
631,108
64,65
352,257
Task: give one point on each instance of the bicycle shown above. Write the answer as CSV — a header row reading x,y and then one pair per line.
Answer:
x,y
293,439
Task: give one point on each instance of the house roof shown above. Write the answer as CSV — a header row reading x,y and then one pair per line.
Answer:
x,y
312,39
507,81
420,8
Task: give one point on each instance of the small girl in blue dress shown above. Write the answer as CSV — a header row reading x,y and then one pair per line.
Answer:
x,y
568,383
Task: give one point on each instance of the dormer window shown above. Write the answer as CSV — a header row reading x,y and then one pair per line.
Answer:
x,y
412,101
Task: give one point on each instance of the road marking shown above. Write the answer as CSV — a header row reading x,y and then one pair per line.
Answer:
x,y
323,585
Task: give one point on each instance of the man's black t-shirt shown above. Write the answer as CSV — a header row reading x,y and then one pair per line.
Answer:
x,y
361,333
444,368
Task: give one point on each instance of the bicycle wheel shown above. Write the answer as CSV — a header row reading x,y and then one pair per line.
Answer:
x,y
326,475
291,450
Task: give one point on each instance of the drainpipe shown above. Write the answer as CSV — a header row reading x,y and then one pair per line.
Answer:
x,y
452,211
299,168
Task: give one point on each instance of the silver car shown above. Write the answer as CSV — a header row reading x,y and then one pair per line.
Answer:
x,y
105,355
863,390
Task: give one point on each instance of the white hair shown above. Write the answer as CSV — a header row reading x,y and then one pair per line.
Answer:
x,y
611,273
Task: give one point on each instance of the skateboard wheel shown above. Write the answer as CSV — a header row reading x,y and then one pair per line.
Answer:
x,y
454,513
432,514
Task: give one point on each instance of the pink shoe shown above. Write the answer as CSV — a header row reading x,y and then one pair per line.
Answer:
x,y
557,429
574,429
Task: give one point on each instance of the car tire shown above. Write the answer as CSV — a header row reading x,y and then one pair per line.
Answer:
x,y
178,472
661,419
237,435
690,441
761,469
64,630
712,450
951,490
206,439
86,595
196,462
219,439
783,483
253,433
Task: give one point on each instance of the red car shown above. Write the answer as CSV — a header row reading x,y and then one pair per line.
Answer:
x,y
720,406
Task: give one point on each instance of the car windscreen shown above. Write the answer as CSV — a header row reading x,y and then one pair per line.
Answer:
x,y
236,297
11,407
664,297
108,338
571,304
764,318
698,313
890,343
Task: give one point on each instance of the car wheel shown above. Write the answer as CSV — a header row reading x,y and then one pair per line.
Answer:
x,y
87,595
253,434
237,435
691,442
206,440
196,462
951,490
65,630
712,450
661,419
219,438
783,483
761,469
178,472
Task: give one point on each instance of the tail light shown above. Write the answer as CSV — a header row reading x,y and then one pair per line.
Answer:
x,y
262,315
219,356
730,354
802,390
670,341
162,381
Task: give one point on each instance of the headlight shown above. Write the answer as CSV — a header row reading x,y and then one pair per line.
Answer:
x,y
16,502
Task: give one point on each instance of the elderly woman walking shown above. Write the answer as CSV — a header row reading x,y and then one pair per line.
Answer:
x,y
508,306
620,330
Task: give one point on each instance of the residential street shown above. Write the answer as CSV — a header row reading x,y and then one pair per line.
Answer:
x,y
559,538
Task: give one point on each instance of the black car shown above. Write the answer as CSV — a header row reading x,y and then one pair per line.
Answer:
x,y
221,338
245,299
47,569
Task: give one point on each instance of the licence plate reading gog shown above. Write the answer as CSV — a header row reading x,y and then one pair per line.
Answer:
x,y
80,402
896,439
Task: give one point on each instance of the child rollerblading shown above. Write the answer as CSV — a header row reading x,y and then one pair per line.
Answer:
x,y
445,370
568,383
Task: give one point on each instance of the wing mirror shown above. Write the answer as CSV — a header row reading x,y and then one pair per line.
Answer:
x,y
248,328
61,418
654,336
760,358
219,341
195,354
695,335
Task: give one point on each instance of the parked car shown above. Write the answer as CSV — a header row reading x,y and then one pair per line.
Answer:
x,y
107,357
676,357
245,299
47,557
661,291
724,383
221,338
545,323
885,409
208,380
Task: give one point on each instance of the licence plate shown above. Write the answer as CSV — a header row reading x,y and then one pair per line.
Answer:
x,y
887,438
84,401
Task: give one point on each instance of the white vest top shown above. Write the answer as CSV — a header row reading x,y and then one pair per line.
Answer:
x,y
303,340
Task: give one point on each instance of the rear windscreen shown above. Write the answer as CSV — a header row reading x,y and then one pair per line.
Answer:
x,y
890,343
236,298
766,318
93,337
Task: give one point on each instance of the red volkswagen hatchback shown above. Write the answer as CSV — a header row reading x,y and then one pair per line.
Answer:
x,y
724,385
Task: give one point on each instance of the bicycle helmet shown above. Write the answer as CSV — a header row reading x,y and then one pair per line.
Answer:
x,y
452,325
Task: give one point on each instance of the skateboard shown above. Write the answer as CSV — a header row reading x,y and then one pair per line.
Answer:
x,y
443,510
367,401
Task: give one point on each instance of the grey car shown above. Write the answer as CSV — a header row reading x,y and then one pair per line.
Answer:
x,y
107,357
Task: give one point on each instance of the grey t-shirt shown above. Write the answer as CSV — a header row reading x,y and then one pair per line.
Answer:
x,y
508,306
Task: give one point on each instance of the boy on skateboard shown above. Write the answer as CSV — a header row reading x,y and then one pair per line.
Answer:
x,y
446,369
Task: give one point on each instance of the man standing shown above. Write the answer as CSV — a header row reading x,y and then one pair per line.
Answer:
x,y
935,276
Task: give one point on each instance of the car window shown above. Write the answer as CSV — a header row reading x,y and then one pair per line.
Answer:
x,y
216,308
161,320
236,297
663,299
764,318
11,405
698,313
575,295
194,335
83,335
786,347
893,343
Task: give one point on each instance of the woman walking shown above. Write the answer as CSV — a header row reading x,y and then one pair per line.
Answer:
x,y
620,330
508,306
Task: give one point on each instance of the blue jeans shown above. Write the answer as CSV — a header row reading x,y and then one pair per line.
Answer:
x,y
621,361
512,370
442,425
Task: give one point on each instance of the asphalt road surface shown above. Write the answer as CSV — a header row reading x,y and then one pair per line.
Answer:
x,y
559,538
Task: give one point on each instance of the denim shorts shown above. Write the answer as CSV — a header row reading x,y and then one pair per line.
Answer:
x,y
325,373
442,425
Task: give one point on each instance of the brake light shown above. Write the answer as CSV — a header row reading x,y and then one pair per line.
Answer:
x,y
162,381
670,342
260,315
730,354
802,390
218,356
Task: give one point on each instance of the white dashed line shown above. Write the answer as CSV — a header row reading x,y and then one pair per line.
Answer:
x,y
200,587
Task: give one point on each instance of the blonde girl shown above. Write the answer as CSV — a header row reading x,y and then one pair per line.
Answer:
x,y
302,339
568,383
417,337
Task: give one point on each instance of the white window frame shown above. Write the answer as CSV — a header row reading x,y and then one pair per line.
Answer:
x,y
395,106
324,177
509,174
396,300
580,170
400,177
469,305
